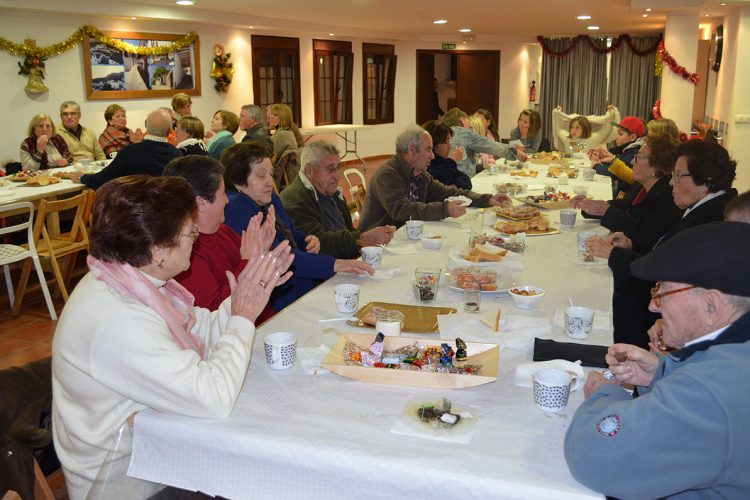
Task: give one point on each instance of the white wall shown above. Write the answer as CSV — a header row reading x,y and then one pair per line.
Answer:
x,y
65,78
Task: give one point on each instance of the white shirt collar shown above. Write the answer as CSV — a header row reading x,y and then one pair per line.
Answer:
x,y
705,199
709,336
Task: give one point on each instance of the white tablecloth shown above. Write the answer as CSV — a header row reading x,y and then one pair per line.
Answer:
x,y
298,435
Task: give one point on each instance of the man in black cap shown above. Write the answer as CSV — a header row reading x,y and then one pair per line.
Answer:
x,y
685,435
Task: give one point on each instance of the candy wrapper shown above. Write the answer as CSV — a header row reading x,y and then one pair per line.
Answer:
x,y
440,420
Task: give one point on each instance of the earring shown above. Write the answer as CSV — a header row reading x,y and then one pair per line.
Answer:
x,y
160,265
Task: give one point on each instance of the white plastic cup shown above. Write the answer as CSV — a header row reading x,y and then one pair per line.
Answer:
x,y
568,217
578,322
414,229
373,256
582,237
281,350
589,174
346,298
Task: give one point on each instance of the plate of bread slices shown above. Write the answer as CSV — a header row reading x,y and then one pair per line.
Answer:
x,y
538,226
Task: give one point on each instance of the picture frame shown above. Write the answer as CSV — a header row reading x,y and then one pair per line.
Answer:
x,y
114,74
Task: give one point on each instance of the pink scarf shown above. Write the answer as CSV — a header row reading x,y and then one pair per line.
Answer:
x,y
172,301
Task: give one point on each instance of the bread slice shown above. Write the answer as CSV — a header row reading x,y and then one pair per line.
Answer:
x,y
491,318
489,253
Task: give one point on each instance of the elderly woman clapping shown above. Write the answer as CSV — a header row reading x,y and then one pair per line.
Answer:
x,y
44,148
647,210
117,135
129,337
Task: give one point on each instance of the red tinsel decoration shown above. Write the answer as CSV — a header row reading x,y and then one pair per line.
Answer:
x,y
675,67
599,50
656,110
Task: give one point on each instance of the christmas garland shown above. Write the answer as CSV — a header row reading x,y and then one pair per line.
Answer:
x,y
23,50
665,57
29,63
599,50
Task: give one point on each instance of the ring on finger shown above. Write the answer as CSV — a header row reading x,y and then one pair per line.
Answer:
x,y
262,283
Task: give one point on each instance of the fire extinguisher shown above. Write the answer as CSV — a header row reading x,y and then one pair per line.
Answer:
x,y
532,91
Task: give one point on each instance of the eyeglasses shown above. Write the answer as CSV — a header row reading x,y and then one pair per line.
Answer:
x,y
70,113
676,176
656,295
193,234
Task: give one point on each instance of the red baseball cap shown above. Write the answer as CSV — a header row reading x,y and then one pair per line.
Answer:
x,y
632,124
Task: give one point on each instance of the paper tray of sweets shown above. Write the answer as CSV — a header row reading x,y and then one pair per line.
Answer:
x,y
485,355
417,319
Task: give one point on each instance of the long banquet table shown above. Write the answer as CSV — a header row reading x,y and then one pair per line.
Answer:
x,y
311,434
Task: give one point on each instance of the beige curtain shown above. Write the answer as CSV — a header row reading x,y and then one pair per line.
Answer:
x,y
633,86
577,82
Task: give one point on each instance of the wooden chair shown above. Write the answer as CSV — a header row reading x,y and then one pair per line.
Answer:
x,y
54,247
358,201
16,253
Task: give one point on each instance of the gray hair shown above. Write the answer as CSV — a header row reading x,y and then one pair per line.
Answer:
x,y
410,136
313,152
254,112
67,104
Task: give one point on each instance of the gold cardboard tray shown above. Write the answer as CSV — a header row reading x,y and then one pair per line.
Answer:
x,y
417,319
486,355
512,217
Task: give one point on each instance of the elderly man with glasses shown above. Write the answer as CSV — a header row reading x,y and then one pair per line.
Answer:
x,y
685,435
82,142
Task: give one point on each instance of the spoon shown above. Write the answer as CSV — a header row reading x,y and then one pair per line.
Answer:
x,y
570,301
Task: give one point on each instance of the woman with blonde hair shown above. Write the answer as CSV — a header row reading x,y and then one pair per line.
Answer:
x,y
284,132
665,127
43,148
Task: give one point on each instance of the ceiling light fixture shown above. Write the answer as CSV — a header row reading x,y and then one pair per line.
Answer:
x,y
465,30
723,3
648,10
584,17
185,2
439,21
251,27
331,34
592,28
644,15
133,18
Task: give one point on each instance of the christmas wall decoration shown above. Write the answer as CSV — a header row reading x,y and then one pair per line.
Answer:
x,y
665,57
222,70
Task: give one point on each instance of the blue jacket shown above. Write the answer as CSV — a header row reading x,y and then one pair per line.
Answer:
x,y
446,171
309,269
220,144
684,437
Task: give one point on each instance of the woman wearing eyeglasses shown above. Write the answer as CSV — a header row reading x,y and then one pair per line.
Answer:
x,y
701,186
647,210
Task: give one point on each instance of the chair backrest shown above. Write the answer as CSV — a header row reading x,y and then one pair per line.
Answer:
x,y
88,207
17,209
358,196
78,236
286,169
359,174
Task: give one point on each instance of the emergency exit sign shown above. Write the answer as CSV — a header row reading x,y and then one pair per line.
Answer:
x,y
449,46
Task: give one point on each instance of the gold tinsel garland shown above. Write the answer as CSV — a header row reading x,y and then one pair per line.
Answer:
x,y
23,50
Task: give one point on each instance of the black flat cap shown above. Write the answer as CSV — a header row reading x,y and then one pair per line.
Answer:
x,y
712,256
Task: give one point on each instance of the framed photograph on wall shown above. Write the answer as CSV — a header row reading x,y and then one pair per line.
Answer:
x,y
114,74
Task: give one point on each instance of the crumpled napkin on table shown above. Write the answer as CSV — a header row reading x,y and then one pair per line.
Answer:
x,y
519,332
602,319
524,372
401,249
384,273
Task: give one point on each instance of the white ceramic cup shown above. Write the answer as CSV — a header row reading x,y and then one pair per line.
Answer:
x,y
568,217
489,217
578,322
589,174
281,350
414,229
582,237
346,298
552,388
373,256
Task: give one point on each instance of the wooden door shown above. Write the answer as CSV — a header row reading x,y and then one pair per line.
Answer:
x,y
478,81
425,76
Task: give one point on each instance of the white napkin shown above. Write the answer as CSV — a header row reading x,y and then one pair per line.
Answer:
x,y
468,327
311,357
407,249
465,201
602,319
384,273
519,332
409,424
577,259
525,371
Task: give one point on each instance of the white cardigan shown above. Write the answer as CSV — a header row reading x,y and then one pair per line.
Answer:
x,y
602,130
113,357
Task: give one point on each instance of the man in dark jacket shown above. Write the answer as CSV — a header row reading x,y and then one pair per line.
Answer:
x,y
251,121
149,156
316,205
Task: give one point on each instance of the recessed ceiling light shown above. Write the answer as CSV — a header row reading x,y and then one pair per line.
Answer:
x,y
185,2
644,15
592,28
583,17
723,3
465,30
251,27
331,34
133,18
648,10
707,15
439,21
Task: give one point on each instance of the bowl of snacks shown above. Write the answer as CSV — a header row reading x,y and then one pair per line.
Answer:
x,y
424,293
510,188
526,297
431,241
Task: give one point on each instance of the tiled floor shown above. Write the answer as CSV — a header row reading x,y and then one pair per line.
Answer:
x,y
28,336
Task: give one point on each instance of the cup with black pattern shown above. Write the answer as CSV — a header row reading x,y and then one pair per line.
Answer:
x,y
281,350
